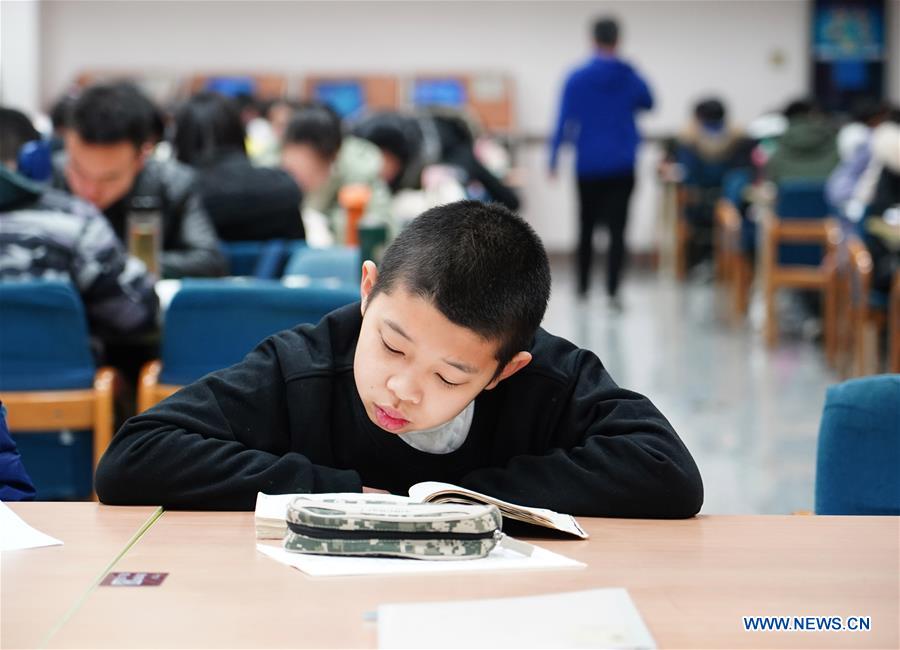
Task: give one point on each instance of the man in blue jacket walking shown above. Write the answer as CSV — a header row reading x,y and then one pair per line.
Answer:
x,y
597,115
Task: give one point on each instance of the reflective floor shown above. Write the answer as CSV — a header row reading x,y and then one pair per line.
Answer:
x,y
749,415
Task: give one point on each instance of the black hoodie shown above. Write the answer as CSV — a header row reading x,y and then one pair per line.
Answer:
x,y
558,434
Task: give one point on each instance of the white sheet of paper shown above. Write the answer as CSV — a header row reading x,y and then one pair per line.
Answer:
x,y
498,559
598,618
15,534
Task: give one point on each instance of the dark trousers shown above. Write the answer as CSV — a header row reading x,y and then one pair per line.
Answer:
x,y
603,200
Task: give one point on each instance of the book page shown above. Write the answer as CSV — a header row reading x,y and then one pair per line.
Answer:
x,y
436,492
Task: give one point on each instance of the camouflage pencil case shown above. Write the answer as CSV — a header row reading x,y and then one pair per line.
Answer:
x,y
347,526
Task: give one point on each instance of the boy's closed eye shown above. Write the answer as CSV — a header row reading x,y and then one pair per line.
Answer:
x,y
389,348
444,381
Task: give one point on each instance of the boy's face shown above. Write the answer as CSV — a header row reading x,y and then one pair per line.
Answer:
x,y
415,369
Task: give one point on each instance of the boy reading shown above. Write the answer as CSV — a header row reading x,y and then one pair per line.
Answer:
x,y
441,373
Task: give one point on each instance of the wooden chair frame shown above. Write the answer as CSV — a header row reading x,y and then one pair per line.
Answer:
x,y
52,410
865,324
825,232
150,392
733,267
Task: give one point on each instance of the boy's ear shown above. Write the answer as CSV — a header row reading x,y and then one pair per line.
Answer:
x,y
514,365
369,277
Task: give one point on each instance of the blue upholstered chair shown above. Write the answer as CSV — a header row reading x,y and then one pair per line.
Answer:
x,y
340,264
259,259
858,463
212,324
54,394
798,236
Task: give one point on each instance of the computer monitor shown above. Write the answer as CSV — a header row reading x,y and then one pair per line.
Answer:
x,y
231,86
439,92
345,97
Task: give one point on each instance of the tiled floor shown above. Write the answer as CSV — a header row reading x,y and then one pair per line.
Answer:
x,y
749,415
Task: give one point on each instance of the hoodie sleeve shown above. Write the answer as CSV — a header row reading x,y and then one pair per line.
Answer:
x,y
564,122
613,454
215,444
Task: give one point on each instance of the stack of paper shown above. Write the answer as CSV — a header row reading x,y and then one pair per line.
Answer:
x,y
16,534
502,557
599,618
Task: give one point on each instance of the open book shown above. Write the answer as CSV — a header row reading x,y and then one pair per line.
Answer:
x,y
271,509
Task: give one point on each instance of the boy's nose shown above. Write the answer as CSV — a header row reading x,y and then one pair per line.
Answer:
x,y
404,389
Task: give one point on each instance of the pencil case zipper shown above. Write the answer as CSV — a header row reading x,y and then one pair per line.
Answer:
x,y
319,533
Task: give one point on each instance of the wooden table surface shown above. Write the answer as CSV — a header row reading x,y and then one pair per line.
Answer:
x,y
39,586
692,582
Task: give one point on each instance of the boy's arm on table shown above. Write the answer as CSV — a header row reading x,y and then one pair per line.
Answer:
x,y
627,461
214,445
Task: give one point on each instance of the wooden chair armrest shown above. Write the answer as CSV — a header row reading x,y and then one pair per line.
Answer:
x,y
104,412
148,380
801,230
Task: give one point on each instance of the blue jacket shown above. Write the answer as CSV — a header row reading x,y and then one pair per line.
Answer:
x,y
15,484
599,101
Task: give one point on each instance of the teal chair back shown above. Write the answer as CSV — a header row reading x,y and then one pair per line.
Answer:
x,y
45,346
801,200
858,461
44,341
259,259
212,324
338,263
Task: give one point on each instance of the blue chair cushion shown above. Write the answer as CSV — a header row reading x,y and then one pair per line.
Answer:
x,y
859,448
44,342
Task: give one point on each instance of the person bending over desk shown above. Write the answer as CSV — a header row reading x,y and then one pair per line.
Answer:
x,y
440,373
107,163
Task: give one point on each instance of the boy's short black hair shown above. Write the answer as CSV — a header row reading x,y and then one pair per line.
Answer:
x,y
316,125
606,31
115,112
481,265
15,131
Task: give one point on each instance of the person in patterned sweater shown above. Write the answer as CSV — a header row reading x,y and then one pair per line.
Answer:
x,y
45,233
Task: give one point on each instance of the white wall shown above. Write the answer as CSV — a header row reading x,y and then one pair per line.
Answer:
x,y
752,52
20,55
